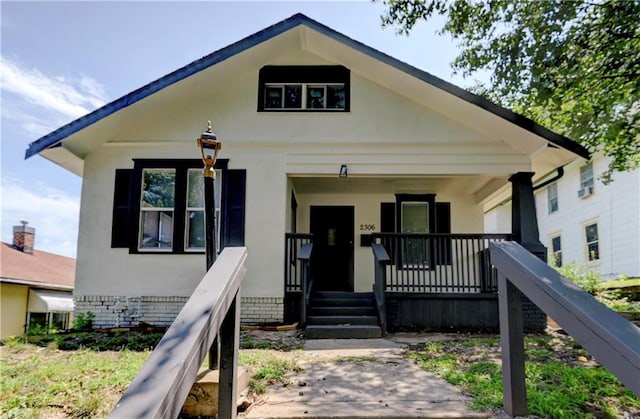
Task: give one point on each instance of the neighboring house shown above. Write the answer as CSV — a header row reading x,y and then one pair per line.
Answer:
x,y
323,135
35,287
585,222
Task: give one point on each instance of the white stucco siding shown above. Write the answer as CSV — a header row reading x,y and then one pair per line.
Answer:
x,y
615,208
266,211
384,135
102,270
106,271
466,217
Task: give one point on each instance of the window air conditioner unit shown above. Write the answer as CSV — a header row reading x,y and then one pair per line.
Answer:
x,y
585,192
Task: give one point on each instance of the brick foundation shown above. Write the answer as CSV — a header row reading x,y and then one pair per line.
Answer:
x,y
256,310
129,311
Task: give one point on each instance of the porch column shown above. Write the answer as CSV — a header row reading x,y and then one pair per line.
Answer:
x,y
524,221
514,307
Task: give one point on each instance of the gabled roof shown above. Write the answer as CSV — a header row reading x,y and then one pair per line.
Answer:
x,y
42,269
54,138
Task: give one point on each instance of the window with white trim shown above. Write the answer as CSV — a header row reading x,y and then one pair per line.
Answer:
x,y
552,198
158,206
414,218
586,176
171,206
556,250
156,209
592,243
195,221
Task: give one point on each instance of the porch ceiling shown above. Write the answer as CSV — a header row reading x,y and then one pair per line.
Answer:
x,y
462,184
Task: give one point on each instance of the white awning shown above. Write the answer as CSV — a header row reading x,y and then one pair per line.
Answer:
x,y
45,301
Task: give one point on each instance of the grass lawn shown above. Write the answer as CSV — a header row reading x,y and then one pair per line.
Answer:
x,y
45,382
84,375
562,380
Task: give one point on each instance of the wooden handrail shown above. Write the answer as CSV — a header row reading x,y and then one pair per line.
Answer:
x,y
611,339
381,259
165,379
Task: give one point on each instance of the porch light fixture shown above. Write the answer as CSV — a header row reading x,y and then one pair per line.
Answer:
x,y
343,171
209,147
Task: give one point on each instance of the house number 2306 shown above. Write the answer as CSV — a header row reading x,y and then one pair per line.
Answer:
x,y
367,227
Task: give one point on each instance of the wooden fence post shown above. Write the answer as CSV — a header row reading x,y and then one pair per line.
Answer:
x,y
229,343
512,344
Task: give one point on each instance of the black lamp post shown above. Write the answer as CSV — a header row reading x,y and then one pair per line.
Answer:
x,y
209,147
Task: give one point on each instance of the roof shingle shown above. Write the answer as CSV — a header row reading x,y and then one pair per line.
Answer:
x,y
39,268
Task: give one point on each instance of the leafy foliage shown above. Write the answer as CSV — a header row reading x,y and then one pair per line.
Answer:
x,y
83,321
589,280
573,66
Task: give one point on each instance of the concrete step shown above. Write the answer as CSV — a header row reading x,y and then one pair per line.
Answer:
x,y
343,332
341,320
342,311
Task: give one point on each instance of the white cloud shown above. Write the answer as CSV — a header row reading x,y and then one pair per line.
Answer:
x,y
54,214
70,97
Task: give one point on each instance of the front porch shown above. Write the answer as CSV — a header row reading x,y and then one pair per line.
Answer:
x,y
421,282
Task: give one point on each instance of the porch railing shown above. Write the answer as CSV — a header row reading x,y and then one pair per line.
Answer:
x,y
439,263
611,339
164,381
292,264
381,259
306,280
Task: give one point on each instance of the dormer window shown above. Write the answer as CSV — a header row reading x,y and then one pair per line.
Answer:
x,y
304,88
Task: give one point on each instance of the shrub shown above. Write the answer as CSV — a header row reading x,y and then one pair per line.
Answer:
x,y
589,280
83,321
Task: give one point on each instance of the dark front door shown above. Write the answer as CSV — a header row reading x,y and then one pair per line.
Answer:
x,y
332,259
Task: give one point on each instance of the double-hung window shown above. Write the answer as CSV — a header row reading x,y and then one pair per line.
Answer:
x,y
592,243
159,206
157,209
552,197
303,88
586,176
414,219
556,250
172,207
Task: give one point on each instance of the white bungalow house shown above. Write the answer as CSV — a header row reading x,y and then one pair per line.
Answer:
x,y
584,221
323,136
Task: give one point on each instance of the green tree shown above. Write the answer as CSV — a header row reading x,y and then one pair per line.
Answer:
x,y
573,66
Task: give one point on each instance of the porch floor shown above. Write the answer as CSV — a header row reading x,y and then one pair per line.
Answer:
x,y
390,386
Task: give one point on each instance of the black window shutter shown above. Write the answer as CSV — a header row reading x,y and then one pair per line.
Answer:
x,y
387,217
120,228
443,226
388,225
233,203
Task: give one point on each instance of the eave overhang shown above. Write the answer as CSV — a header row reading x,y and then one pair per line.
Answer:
x,y
45,145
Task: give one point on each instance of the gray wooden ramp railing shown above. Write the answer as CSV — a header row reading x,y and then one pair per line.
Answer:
x,y
164,381
611,339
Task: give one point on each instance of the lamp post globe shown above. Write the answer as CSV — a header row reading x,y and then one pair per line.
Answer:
x,y
209,147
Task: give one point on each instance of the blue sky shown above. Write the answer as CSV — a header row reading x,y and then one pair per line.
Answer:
x,y
61,60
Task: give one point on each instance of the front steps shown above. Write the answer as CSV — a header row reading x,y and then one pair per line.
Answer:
x,y
342,315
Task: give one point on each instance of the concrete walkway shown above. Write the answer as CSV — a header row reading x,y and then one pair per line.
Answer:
x,y
362,378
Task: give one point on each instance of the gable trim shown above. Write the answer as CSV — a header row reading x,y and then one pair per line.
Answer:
x,y
54,138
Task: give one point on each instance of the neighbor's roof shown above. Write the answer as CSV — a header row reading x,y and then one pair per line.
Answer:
x,y
54,138
42,269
